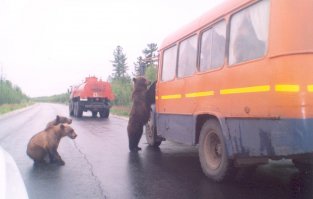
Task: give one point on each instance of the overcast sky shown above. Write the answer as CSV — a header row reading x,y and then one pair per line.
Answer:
x,y
48,45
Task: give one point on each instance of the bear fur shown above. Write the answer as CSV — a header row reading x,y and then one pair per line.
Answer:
x,y
46,142
59,120
139,114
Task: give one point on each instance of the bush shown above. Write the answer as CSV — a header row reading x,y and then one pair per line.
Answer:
x,y
122,89
10,94
151,73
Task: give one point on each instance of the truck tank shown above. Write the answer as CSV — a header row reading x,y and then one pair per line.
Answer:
x,y
92,95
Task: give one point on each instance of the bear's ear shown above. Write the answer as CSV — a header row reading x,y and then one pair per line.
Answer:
x,y
57,118
62,126
134,79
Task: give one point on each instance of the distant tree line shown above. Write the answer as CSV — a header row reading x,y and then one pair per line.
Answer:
x,y
60,98
146,65
11,94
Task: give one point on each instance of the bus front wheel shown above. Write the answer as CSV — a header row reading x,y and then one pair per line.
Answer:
x,y
212,152
151,132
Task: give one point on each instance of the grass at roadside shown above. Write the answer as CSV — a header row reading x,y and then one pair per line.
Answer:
x,y
4,108
121,110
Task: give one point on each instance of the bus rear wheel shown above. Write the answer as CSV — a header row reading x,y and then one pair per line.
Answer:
x,y
212,152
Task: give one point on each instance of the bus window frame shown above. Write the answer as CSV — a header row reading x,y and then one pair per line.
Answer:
x,y
197,54
202,31
229,19
162,62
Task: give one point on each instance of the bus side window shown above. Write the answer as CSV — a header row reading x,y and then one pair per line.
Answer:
x,y
187,59
205,54
218,45
213,43
169,63
249,33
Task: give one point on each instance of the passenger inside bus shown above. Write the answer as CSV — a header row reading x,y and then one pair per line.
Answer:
x,y
247,45
213,47
187,57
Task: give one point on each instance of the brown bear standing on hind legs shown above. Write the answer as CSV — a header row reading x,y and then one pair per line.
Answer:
x,y
59,120
46,142
139,114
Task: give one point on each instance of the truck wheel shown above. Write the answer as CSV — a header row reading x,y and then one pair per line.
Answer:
x,y
75,109
94,113
78,112
71,113
70,107
105,113
151,132
212,152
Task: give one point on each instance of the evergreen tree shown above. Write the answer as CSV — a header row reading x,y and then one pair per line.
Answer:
x,y
149,53
140,66
120,80
149,60
119,64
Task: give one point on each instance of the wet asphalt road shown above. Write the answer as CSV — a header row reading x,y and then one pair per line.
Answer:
x,y
99,165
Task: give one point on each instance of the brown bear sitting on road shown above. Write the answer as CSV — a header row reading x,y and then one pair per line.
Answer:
x,y
45,143
139,114
59,120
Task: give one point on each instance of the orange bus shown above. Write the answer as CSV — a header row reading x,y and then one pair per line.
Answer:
x,y
237,82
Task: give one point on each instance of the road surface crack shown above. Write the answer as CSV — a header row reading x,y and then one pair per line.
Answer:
x,y
91,170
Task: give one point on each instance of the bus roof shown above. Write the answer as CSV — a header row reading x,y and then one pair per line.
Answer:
x,y
210,16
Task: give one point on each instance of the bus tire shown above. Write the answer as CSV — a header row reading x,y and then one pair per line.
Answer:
x,y
151,132
151,135
212,152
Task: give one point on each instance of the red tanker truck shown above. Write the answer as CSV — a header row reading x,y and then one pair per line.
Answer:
x,y
93,95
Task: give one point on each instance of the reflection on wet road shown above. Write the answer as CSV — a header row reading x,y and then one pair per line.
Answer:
x,y
99,165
